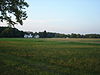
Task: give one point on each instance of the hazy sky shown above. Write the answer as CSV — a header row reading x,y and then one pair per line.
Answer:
x,y
65,16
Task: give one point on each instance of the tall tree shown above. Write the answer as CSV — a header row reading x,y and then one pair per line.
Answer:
x,y
44,34
13,11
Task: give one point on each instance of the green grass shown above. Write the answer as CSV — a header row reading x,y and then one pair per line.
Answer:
x,y
20,56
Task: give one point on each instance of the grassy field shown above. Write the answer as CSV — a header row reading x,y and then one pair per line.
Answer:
x,y
49,56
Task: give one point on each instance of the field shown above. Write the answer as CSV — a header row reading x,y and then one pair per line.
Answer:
x,y
20,56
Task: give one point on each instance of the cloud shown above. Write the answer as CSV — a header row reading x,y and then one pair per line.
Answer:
x,y
57,25
40,25
44,21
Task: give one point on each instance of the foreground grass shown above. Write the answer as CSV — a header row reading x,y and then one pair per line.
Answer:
x,y
49,56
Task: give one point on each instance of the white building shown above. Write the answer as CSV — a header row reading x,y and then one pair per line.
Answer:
x,y
28,36
36,36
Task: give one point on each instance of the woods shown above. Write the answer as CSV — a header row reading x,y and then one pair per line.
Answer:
x,y
9,32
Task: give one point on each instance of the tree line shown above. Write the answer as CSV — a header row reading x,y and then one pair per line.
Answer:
x,y
8,32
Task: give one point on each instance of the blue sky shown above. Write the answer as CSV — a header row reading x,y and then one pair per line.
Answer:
x,y
64,16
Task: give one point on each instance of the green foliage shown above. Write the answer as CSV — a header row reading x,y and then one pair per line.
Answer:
x,y
49,56
15,33
15,8
45,34
11,32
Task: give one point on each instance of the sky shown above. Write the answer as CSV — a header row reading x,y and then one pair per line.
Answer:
x,y
62,16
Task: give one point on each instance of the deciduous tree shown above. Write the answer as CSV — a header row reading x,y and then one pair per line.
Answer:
x,y
13,11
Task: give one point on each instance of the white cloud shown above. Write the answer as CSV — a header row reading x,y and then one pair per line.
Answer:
x,y
56,25
39,25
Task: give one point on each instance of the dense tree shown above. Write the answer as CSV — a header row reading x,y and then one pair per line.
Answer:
x,y
73,35
7,32
44,34
13,11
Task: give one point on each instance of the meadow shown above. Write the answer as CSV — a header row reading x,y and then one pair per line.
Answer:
x,y
19,56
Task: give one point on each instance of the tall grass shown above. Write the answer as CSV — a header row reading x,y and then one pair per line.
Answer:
x,y
49,56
